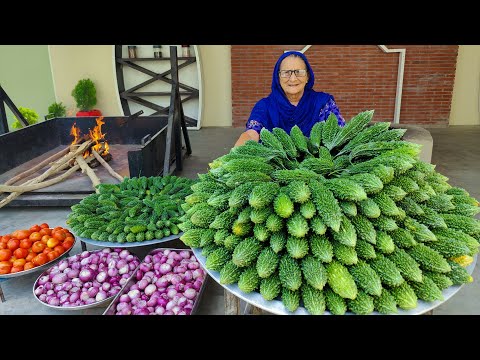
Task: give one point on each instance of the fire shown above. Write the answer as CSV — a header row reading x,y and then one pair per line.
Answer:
x,y
96,135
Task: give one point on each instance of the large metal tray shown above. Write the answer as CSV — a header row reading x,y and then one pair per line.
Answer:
x,y
110,310
75,308
41,267
276,307
129,244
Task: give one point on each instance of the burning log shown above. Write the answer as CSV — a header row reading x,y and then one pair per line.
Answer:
x,y
108,167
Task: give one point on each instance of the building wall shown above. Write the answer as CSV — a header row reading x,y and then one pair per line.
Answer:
x,y
26,77
466,94
360,77
71,63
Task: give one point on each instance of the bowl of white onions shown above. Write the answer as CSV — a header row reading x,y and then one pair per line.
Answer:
x,y
85,280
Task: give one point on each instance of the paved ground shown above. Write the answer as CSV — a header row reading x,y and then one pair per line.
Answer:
x,y
455,151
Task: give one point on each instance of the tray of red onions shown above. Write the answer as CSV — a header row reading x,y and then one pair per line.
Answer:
x,y
167,282
85,280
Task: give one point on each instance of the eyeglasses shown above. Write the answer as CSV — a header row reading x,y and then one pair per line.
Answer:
x,y
288,73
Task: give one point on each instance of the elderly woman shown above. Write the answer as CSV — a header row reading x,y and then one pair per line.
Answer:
x,y
292,100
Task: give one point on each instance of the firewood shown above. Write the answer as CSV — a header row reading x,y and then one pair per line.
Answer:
x,y
108,167
88,170
37,167
56,167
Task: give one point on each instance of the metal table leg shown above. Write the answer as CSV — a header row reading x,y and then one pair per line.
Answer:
x,y
232,303
2,297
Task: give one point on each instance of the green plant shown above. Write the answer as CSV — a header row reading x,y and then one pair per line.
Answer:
x,y
30,115
57,110
85,94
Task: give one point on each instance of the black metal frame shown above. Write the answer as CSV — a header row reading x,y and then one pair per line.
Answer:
x,y
5,99
135,96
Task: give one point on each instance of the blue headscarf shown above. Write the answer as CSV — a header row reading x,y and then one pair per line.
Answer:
x,y
276,110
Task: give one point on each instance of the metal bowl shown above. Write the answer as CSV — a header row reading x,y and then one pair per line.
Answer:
x,y
110,310
80,307
41,267
129,244
276,306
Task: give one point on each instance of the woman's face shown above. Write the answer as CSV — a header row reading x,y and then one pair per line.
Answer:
x,y
293,84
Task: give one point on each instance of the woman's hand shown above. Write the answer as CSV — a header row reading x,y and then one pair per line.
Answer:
x,y
247,135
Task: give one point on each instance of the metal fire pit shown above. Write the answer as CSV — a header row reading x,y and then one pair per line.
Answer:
x,y
137,144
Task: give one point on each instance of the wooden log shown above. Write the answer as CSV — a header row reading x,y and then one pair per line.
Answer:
x,y
37,167
56,167
88,170
108,167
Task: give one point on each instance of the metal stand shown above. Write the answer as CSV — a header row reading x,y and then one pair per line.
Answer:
x,y
2,297
3,117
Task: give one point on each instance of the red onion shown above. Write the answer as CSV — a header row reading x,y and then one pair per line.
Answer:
x,y
84,254
142,284
106,250
39,290
59,278
101,276
62,265
150,289
124,298
86,274
92,292
193,265
106,286
134,294
165,268
185,254
43,280
148,259
139,274
197,284
123,254
102,295
190,293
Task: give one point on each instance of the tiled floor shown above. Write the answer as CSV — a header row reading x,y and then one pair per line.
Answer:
x,y
455,152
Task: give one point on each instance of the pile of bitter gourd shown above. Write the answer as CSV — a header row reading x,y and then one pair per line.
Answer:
x,y
347,219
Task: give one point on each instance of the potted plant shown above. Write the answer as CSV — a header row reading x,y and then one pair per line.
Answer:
x,y
85,96
56,110
30,115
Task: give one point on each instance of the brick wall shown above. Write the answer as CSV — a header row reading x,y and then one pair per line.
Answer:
x,y
360,77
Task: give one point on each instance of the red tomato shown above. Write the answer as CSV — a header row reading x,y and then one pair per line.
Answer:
x,y
30,256
35,228
35,236
52,242
26,243
23,234
52,255
5,254
15,269
45,231
19,262
38,246
3,246
67,244
28,265
59,249
20,253
44,226
13,244
5,267
40,259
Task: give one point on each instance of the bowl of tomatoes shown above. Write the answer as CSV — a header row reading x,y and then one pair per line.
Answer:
x,y
25,251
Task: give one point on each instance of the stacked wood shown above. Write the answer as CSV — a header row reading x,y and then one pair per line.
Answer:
x,y
70,158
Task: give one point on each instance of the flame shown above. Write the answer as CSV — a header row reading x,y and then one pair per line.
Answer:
x,y
75,132
96,135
